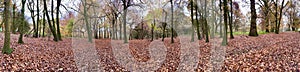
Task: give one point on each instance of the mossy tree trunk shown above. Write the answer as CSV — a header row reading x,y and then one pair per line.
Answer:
x,y
6,48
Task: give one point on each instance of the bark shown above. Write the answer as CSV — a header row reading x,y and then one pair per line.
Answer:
x,y
224,42
57,20
44,23
152,30
52,29
198,25
231,20
205,23
172,19
124,26
31,9
192,17
6,48
20,40
38,19
88,26
253,31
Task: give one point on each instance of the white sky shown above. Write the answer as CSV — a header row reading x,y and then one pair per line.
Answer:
x,y
245,7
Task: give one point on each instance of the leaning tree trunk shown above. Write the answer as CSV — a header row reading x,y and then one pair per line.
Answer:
x,y
52,29
253,31
52,15
6,48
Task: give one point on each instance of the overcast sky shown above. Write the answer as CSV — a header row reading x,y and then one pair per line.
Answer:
x,y
245,7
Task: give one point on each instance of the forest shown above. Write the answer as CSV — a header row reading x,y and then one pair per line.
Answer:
x,y
150,35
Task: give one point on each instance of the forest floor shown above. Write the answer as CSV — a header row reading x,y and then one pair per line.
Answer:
x,y
268,52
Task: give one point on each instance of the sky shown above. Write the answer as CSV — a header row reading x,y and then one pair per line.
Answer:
x,y
245,7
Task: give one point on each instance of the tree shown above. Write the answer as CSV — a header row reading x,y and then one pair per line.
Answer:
x,y
125,7
88,27
57,20
6,48
20,40
152,30
52,28
205,22
36,32
231,20
31,8
278,21
192,17
126,4
224,42
172,19
253,31
264,4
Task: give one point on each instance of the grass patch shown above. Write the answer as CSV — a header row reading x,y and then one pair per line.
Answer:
x,y
246,33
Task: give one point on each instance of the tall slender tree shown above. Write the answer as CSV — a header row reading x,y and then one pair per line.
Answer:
x,y
225,7
172,23
125,7
205,22
231,20
57,20
38,19
192,17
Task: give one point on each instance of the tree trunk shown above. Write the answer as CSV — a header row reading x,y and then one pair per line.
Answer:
x,y
205,22
124,25
20,40
280,17
52,29
253,31
224,42
231,20
192,17
214,22
198,25
38,19
152,30
44,23
88,28
31,9
172,19
53,21
221,25
6,48
120,28
57,20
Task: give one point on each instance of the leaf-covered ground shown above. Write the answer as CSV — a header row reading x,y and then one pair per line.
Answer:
x,y
269,52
